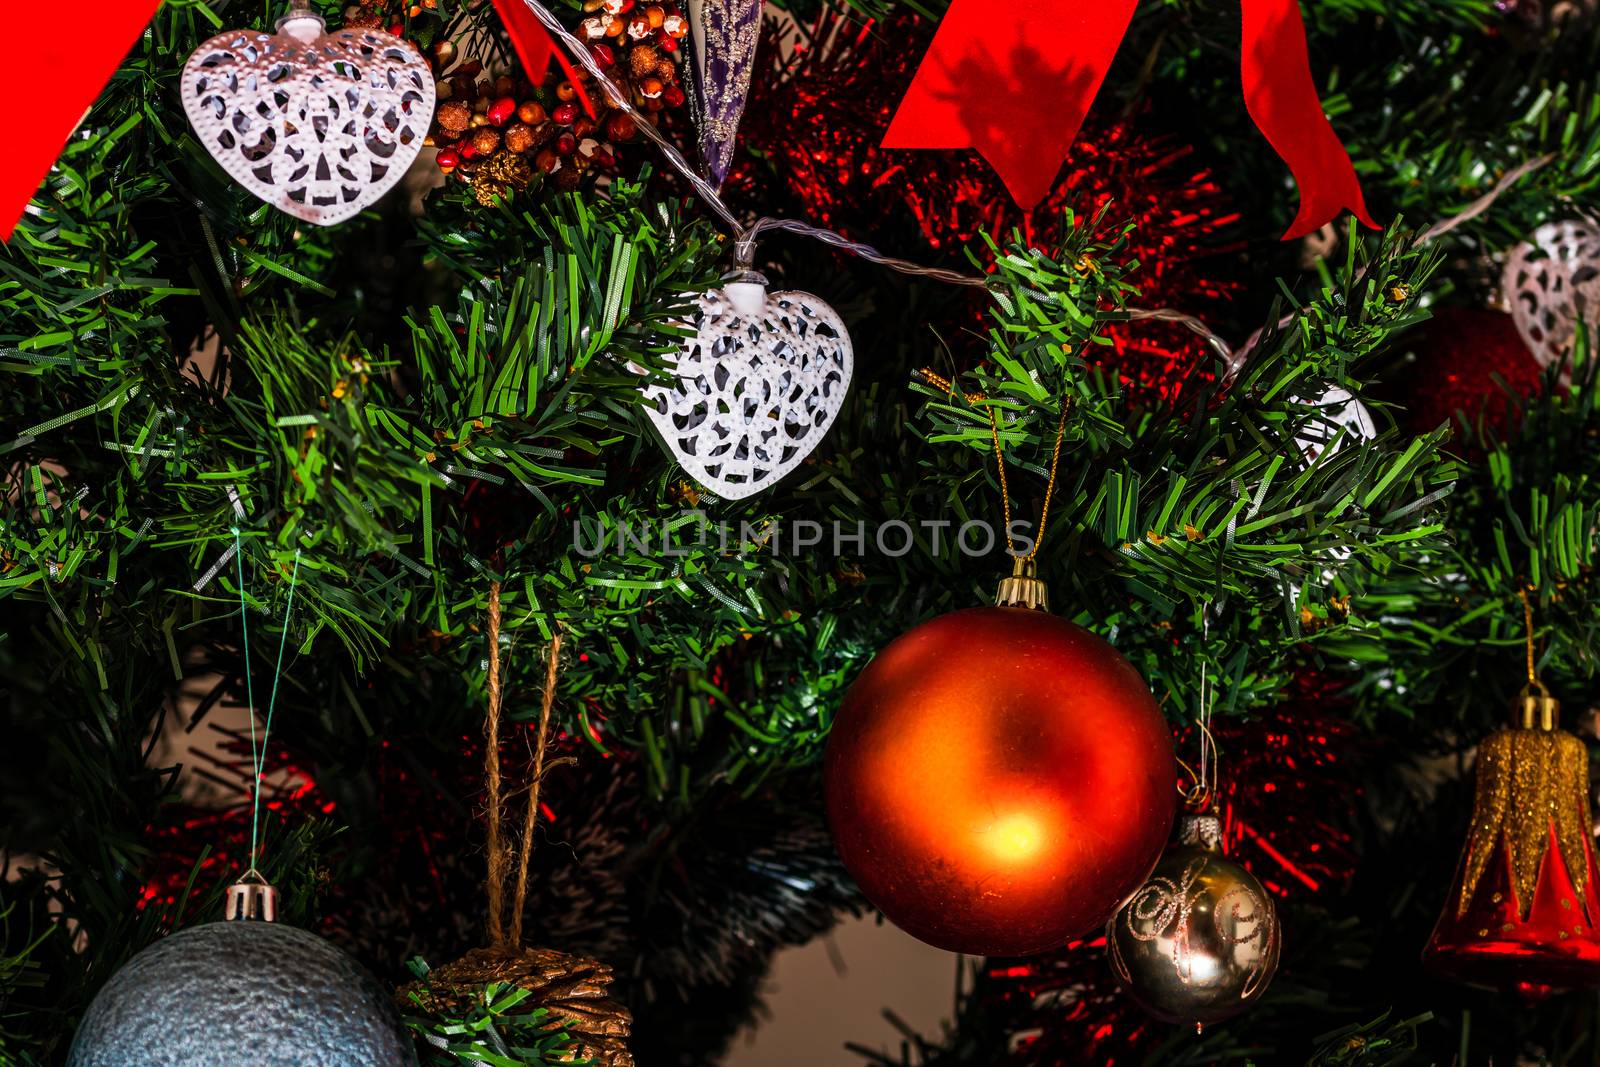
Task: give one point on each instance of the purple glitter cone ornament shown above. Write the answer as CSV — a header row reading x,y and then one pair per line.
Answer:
x,y
725,35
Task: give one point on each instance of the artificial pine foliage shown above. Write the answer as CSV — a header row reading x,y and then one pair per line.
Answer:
x,y
441,393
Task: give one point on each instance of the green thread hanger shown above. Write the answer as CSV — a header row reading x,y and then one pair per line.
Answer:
x,y
258,753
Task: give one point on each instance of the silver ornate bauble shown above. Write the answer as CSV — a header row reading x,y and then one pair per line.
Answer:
x,y
1199,940
244,992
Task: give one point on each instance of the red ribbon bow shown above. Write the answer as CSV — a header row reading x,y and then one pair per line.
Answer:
x,y
991,84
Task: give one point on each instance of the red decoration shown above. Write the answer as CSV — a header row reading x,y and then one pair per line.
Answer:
x,y
817,114
1459,355
501,110
535,46
1554,946
985,79
998,780
1524,913
75,66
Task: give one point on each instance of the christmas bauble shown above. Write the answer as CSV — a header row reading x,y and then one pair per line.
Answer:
x,y
1199,941
242,992
998,780
1458,354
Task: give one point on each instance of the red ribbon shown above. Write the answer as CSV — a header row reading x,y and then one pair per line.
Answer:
x,y
58,74
535,46
991,84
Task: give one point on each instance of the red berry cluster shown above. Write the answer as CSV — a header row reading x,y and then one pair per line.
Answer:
x,y
496,134
499,134
649,36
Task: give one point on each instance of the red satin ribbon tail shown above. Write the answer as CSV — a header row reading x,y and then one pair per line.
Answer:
x,y
576,82
985,80
76,66
535,46
1281,97
1322,200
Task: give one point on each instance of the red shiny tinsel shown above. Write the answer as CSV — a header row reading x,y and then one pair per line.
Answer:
x,y
197,848
408,883
816,118
1288,809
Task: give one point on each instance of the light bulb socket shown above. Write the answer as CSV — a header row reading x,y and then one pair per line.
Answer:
x,y
302,24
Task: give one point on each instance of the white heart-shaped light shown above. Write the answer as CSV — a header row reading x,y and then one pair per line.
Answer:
x,y
1341,420
318,125
759,384
1553,284
1338,413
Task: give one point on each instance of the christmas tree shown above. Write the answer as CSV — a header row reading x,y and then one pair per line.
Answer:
x,y
468,463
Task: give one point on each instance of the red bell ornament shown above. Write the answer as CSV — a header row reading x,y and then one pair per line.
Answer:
x,y
1522,915
998,779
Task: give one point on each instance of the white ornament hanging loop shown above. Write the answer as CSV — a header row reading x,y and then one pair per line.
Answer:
x,y
758,386
318,125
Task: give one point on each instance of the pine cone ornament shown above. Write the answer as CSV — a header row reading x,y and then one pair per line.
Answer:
x,y
575,990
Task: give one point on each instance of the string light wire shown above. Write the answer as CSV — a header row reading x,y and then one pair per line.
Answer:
x,y
745,236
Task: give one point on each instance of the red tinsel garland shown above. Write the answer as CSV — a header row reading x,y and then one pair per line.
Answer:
x,y
819,110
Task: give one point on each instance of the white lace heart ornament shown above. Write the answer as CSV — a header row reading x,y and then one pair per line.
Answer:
x,y
1341,420
1552,282
759,385
318,125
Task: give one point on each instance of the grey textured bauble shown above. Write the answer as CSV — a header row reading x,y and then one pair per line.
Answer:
x,y
242,992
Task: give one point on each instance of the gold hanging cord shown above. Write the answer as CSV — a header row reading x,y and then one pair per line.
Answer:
x,y
1206,782
939,381
1538,708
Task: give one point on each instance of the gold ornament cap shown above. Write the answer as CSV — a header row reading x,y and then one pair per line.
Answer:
x,y
1538,709
251,897
1023,589
1201,831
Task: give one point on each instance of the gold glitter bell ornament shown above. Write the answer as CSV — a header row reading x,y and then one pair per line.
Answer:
x,y
1199,941
1522,914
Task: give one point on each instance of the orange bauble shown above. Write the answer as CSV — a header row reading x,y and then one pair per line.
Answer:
x,y
999,780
